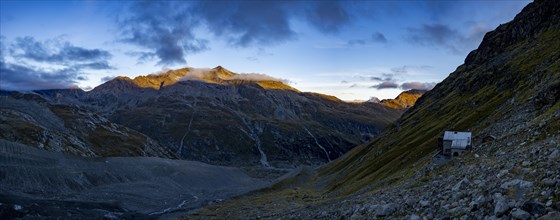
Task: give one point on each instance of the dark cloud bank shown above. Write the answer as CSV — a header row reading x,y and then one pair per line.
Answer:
x,y
442,36
32,71
166,30
168,37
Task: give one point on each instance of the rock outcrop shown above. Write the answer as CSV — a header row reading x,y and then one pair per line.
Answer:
x,y
404,100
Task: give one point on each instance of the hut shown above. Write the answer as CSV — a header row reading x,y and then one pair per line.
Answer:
x,y
454,143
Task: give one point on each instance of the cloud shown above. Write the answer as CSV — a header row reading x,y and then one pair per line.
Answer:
x,y
257,77
386,85
49,64
391,78
101,65
437,35
405,86
328,16
205,73
383,77
107,78
3,49
20,77
169,37
400,70
57,51
261,52
418,85
163,28
356,42
442,36
247,23
168,31
378,37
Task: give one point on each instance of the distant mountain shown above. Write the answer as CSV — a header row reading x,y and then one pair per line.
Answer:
x,y
374,100
218,75
30,119
404,100
220,117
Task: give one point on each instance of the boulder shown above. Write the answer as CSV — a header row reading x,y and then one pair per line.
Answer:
x,y
550,216
460,185
534,208
520,214
501,207
555,154
386,209
516,183
424,203
414,217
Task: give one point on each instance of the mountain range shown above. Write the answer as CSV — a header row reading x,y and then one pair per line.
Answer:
x,y
209,115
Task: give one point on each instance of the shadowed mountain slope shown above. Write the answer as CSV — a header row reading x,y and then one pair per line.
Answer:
x,y
220,117
28,118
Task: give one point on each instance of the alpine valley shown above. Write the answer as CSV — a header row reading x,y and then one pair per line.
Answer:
x,y
259,128
197,143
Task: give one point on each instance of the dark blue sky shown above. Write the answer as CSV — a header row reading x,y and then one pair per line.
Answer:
x,y
350,49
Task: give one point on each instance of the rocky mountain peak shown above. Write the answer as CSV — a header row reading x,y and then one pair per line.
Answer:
x,y
216,75
537,17
374,100
404,100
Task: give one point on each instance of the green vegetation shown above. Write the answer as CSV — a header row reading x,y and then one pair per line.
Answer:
x,y
473,97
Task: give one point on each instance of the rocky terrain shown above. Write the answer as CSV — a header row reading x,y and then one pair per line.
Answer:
x,y
209,115
30,119
509,88
39,184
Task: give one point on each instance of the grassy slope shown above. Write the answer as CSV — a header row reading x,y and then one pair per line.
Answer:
x,y
470,98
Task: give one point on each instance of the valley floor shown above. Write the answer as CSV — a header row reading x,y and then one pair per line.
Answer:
x,y
35,183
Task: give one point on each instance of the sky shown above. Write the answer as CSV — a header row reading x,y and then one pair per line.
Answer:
x,y
353,50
